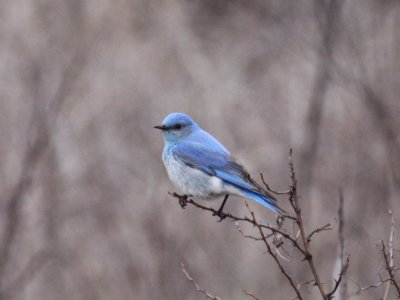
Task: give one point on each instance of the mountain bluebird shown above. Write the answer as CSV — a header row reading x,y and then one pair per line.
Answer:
x,y
200,166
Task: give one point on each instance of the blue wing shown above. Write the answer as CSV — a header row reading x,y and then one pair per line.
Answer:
x,y
201,137
221,164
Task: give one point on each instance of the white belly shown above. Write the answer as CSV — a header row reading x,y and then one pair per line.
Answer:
x,y
192,181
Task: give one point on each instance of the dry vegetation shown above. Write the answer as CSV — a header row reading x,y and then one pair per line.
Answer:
x,y
85,211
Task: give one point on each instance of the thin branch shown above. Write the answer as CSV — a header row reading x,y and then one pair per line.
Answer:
x,y
305,283
271,190
341,275
326,227
343,290
274,256
294,201
184,200
389,267
251,295
247,235
279,234
361,289
198,288
389,260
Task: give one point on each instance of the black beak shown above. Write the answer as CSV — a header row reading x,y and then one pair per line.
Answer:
x,y
162,127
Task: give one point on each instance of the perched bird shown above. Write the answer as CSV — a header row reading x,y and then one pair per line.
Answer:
x,y
200,166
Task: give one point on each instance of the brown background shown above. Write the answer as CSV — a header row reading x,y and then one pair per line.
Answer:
x,y
84,209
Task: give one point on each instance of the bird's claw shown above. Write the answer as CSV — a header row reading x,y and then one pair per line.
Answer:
x,y
182,199
279,221
221,215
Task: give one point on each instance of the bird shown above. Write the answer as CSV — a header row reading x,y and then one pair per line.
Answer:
x,y
201,167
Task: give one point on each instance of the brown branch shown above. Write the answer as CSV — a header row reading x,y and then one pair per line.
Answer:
x,y
343,291
274,256
389,260
343,271
279,234
247,235
198,288
271,190
294,201
361,289
305,283
251,295
318,230
184,200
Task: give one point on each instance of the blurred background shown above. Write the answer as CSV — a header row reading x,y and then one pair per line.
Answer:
x,y
84,208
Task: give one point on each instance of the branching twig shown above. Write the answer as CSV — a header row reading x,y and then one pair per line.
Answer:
x,y
304,283
361,289
274,256
201,290
251,295
343,290
341,275
247,235
389,260
294,201
184,200
280,235
318,230
271,190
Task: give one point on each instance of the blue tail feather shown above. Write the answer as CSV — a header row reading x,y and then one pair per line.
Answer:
x,y
264,200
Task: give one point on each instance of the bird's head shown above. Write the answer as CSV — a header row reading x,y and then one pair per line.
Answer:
x,y
177,126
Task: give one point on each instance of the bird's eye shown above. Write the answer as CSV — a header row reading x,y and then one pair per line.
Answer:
x,y
178,126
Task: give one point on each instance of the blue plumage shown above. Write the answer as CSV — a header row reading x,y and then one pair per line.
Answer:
x,y
201,166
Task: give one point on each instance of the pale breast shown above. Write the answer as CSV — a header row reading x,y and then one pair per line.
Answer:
x,y
192,181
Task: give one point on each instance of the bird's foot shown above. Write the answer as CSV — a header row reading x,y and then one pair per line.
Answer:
x,y
182,199
220,214
279,220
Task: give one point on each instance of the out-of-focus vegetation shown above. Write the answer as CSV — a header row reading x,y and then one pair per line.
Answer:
x,y
84,208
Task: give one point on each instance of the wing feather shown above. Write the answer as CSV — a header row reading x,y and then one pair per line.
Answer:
x,y
217,163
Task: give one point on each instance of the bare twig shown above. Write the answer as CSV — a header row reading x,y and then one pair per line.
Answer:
x,y
389,260
388,257
361,289
305,283
318,230
343,270
294,201
201,290
251,295
271,190
247,235
184,200
343,290
274,256
280,235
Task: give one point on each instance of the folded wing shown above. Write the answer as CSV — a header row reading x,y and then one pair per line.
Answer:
x,y
222,165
